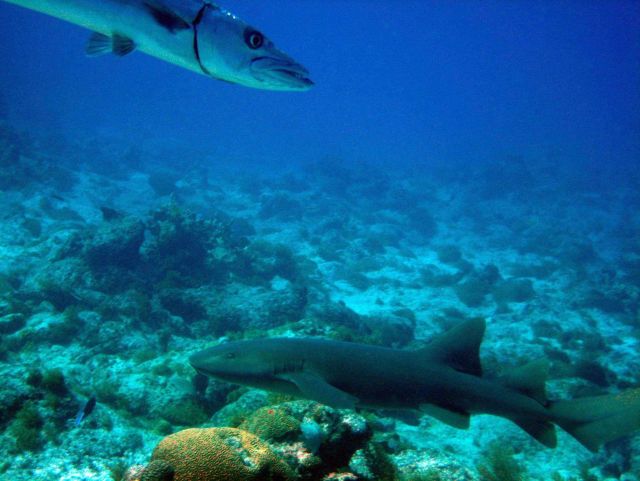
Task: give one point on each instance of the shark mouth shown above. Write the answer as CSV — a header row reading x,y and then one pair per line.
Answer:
x,y
281,74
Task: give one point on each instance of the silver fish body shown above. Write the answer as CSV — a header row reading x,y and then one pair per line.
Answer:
x,y
193,34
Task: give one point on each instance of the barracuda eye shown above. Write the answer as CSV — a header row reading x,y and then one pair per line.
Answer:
x,y
253,38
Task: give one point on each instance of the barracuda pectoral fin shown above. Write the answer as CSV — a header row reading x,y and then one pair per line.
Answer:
x,y
314,387
100,44
166,16
121,45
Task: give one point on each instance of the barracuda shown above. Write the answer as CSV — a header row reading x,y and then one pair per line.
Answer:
x,y
196,35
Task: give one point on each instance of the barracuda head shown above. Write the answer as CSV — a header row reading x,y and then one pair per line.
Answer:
x,y
234,51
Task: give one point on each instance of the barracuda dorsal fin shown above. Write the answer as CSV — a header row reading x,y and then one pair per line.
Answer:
x,y
167,16
100,44
458,348
314,387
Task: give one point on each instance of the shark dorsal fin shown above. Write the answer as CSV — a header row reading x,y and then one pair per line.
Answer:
x,y
530,379
458,348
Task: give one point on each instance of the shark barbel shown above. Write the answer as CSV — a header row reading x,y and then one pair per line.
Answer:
x,y
195,34
444,380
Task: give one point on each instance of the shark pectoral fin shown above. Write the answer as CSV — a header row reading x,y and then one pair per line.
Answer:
x,y
314,387
542,431
99,44
454,419
167,17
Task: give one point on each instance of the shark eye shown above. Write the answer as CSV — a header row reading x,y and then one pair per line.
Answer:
x,y
253,38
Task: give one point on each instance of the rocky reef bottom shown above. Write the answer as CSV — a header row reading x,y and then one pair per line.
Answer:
x,y
114,269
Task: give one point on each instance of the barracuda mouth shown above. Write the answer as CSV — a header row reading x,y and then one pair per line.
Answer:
x,y
281,74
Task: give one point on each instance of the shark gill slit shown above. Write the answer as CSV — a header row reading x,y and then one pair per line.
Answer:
x,y
288,367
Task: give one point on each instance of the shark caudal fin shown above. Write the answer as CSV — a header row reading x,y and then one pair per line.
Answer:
x,y
594,421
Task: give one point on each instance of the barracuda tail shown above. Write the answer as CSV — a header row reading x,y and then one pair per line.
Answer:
x,y
594,421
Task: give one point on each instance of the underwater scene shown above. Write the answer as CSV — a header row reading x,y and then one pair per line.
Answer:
x,y
319,240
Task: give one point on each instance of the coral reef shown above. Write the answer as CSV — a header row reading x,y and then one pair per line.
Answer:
x,y
513,290
111,277
158,470
500,465
181,249
215,454
271,424
115,244
26,428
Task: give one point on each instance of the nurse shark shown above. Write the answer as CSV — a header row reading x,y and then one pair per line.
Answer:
x,y
444,380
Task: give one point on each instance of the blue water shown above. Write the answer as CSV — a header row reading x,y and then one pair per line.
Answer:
x,y
397,82
454,160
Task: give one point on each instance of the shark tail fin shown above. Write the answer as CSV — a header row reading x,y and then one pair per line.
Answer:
x,y
458,348
594,421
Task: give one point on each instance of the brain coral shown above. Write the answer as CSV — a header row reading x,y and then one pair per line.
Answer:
x,y
220,454
158,470
271,423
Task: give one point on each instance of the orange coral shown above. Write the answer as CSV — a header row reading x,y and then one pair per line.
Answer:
x,y
158,470
271,423
220,454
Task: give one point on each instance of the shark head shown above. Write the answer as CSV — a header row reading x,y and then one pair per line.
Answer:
x,y
274,364
236,362
234,51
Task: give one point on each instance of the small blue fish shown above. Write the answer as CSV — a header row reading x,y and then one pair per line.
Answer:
x,y
85,410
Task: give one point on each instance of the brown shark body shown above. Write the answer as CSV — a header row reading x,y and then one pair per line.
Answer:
x,y
444,380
